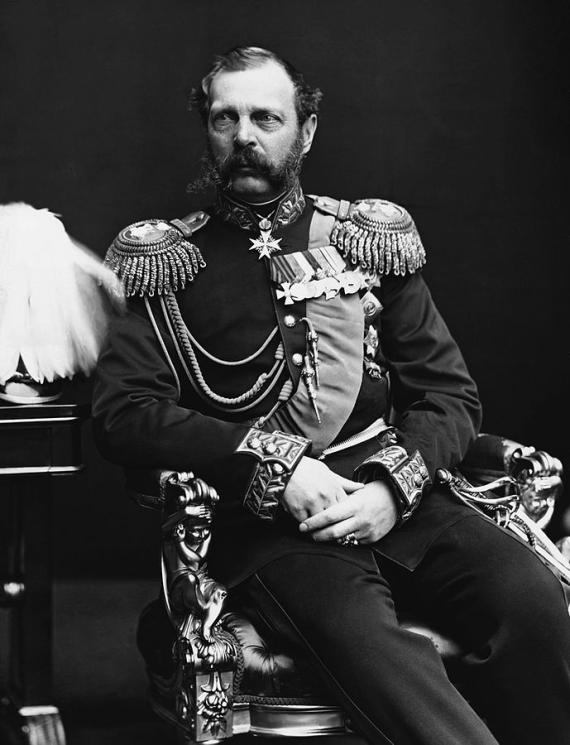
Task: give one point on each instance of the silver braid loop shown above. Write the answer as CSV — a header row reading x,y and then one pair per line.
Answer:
x,y
231,363
183,340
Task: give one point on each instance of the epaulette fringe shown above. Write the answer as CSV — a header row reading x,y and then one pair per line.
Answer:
x,y
152,257
378,236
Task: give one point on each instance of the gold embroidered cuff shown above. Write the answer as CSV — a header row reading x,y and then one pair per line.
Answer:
x,y
278,454
408,474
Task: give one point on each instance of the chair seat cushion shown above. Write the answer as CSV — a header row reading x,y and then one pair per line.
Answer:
x,y
270,671
265,668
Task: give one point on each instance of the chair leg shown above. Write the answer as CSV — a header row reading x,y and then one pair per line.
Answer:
x,y
213,714
42,725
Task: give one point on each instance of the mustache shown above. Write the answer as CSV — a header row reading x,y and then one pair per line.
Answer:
x,y
219,173
247,158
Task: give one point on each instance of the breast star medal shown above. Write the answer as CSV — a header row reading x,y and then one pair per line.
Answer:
x,y
265,244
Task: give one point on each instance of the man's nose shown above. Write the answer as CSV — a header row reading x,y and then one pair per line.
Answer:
x,y
244,134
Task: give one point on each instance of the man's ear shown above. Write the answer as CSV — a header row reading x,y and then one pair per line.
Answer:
x,y
308,129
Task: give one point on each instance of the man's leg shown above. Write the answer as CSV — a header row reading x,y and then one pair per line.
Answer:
x,y
497,599
391,682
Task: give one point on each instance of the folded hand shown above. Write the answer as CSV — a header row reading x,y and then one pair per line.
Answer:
x,y
369,513
313,487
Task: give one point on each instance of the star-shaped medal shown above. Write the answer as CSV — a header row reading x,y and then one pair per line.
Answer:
x,y
265,244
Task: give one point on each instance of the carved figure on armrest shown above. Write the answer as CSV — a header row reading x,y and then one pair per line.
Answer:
x,y
199,690
186,538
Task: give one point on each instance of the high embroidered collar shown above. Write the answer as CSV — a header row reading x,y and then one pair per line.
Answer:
x,y
288,208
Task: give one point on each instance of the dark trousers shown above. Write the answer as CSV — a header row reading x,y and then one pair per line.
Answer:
x,y
476,583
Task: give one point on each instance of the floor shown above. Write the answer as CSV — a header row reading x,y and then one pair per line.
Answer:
x,y
127,725
143,728
137,725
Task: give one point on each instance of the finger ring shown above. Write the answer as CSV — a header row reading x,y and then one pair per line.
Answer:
x,y
348,540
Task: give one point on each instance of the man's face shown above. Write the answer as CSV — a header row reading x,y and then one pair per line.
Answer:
x,y
253,130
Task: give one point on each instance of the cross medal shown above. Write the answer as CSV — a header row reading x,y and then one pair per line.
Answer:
x,y
265,244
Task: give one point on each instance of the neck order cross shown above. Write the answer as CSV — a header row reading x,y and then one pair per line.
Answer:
x,y
265,244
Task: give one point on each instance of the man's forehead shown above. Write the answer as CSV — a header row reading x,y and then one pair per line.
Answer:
x,y
263,86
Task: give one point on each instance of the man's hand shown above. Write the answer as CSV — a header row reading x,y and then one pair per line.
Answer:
x,y
313,487
370,513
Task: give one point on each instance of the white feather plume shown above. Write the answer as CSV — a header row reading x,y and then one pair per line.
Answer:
x,y
54,297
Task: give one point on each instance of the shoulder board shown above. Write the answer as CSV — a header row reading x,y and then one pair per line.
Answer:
x,y
375,235
339,208
191,223
155,257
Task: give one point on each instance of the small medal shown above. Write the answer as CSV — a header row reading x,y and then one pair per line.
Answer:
x,y
265,244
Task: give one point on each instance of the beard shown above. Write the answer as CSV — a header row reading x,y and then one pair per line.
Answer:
x,y
220,173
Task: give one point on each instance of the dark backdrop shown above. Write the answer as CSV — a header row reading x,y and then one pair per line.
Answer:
x,y
456,109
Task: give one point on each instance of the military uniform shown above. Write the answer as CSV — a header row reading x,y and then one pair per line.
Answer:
x,y
305,323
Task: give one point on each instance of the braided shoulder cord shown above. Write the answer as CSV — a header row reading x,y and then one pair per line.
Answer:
x,y
162,345
230,363
172,311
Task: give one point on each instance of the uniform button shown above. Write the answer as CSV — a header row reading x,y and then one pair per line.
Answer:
x,y
289,321
297,359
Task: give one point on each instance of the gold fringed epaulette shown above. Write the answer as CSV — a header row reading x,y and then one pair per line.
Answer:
x,y
154,257
375,235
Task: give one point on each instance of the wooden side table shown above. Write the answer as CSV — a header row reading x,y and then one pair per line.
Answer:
x,y
37,443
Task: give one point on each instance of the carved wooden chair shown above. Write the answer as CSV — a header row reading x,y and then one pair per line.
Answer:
x,y
213,675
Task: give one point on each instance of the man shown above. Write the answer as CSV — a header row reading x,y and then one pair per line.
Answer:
x,y
278,322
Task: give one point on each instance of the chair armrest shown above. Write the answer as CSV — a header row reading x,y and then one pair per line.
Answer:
x,y
536,475
199,691
146,486
521,497
193,599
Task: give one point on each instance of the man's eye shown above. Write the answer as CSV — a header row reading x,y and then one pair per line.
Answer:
x,y
222,118
268,119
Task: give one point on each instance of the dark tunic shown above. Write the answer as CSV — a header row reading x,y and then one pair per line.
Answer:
x,y
142,420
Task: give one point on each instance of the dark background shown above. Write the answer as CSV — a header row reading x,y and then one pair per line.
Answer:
x,y
457,110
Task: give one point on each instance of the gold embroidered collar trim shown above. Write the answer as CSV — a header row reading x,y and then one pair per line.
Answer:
x,y
288,208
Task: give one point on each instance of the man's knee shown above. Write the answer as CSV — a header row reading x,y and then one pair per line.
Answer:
x,y
534,605
494,585
524,600
326,600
